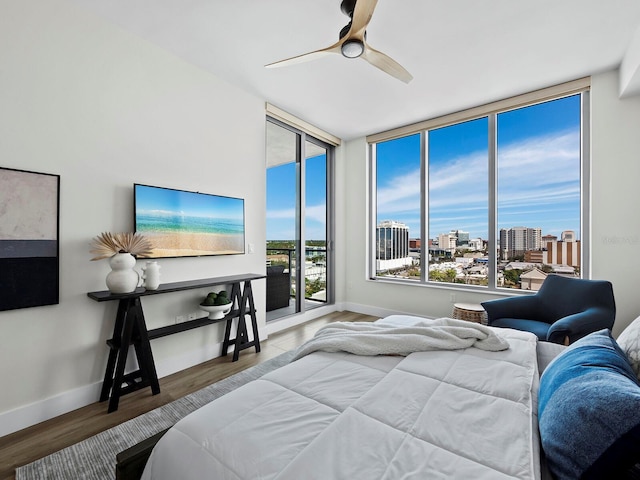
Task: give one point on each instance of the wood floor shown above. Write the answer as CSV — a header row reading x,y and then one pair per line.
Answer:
x,y
45,438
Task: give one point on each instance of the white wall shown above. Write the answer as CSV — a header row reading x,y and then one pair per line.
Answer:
x,y
103,109
615,236
615,148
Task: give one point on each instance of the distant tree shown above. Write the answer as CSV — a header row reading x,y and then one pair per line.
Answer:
x,y
316,243
512,277
285,244
547,268
313,286
448,275
413,272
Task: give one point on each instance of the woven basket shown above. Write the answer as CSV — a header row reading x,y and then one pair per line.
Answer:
x,y
470,313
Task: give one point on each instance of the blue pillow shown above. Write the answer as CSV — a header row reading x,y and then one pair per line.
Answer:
x,y
589,411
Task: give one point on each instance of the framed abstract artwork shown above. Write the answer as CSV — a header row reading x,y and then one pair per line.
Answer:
x,y
29,231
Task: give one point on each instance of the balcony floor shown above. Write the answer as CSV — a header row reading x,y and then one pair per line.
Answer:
x,y
291,309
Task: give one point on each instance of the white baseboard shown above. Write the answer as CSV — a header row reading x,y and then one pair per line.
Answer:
x,y
293,320
28,415
32,414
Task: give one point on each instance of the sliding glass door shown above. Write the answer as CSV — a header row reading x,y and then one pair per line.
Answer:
x,y
299,233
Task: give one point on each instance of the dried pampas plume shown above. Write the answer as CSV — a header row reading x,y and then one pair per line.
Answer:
x,y
107,244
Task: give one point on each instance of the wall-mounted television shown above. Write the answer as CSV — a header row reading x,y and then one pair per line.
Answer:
x,y
188,224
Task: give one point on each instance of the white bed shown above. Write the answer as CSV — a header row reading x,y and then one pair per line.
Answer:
x,y
448,414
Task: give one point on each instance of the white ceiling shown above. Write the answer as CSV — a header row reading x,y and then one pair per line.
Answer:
x,y
461,53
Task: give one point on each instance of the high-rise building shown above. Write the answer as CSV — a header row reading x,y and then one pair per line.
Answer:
x,y
534,256
447,242
565,252
462,238
392,239
475,244
516,241
392,245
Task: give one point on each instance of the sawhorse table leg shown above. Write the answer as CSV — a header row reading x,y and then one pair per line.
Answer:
x,y
130,329
243,298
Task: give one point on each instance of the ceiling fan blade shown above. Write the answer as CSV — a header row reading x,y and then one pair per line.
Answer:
x,y
306,57
362,14
386,64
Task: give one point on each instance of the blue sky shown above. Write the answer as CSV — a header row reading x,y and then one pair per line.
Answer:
x,y
281,198
538,173
171,202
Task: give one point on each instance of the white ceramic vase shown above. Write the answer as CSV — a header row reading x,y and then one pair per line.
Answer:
x,y
151,275
122,278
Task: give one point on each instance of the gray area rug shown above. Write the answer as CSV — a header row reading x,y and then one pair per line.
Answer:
x,y
95,457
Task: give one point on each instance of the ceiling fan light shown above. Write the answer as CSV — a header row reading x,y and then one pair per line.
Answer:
x,y
352,48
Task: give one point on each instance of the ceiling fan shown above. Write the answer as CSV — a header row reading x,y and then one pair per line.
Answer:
x,y
353,44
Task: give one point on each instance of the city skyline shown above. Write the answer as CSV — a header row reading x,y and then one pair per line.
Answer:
x,y
458,230
538,173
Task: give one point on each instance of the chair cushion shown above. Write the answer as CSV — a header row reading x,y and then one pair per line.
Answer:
x,y
589,410
629,341
540,329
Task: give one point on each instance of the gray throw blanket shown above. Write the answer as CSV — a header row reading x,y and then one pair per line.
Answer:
x,y
365,338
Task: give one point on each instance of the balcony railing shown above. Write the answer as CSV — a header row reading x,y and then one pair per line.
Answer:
x,y
315,269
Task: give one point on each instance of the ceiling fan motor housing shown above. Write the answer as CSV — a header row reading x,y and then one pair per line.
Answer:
x,y
352,48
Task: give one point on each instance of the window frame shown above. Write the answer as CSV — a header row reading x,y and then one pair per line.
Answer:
x,y
491,111
305,133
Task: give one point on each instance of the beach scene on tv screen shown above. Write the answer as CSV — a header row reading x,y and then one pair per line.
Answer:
x,y
186,224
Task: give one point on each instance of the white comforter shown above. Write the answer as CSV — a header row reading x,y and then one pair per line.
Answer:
x,y
464,414
386,338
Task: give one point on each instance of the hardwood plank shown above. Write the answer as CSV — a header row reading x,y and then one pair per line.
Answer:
x,y
41,440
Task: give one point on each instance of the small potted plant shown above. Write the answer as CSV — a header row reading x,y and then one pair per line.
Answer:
x,y
217,304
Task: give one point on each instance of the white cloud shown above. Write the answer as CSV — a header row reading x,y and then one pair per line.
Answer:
x,y
317,213
287,213
314,212
399,191
540,172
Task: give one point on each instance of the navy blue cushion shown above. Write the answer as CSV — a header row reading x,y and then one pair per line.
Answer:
x,y
540,329
589,411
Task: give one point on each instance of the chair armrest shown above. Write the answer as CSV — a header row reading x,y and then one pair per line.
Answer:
x,y
580,324
512,307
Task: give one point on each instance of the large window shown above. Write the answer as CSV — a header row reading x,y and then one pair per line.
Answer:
x,y
496,199
458,201
398,223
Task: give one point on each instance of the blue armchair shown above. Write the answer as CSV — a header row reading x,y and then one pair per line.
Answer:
x,y
562,311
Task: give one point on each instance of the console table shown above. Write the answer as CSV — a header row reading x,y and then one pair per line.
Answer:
x,y
130,329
